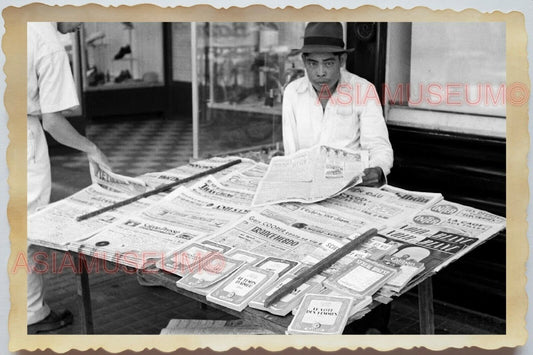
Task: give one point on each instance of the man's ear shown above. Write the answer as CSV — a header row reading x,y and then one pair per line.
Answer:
x,y
343,58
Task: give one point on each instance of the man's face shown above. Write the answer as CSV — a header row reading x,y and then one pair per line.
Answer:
x,y
323,68
66,27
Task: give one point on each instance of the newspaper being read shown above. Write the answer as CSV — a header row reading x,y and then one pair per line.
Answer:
x,y
267,237
310,175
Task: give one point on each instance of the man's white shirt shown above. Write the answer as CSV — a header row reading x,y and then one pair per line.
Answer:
x,y
352,119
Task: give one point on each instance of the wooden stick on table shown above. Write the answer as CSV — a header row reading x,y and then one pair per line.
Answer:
x,y
157,190
319,267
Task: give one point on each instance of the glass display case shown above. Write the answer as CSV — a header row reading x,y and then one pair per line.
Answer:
x,y
123,69
118,54
242,69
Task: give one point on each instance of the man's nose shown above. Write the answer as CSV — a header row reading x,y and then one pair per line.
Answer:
x,y
321,70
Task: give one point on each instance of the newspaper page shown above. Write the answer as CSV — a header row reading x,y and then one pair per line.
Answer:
x,y
432,258
179,218
316,219
55,226
196,167
414,200
310,175
267,237
209,188
239,181
184,208
450,228
134,241
155,179
247,179
258,171
382,207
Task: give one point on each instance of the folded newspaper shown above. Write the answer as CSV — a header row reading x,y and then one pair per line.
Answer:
x,y
310,175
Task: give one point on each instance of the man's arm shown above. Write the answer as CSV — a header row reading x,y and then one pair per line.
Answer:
x,y
375,139
62,131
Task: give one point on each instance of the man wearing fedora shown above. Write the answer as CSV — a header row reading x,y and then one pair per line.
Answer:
x,y
333,107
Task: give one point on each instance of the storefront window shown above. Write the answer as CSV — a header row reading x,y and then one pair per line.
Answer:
x,y
447,77
242,69
122,54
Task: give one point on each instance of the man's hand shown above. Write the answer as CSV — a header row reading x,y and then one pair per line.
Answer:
x,y
95,155
373,177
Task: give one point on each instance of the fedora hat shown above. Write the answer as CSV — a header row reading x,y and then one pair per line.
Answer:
x,y
323,37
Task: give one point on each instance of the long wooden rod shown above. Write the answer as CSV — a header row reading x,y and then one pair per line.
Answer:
x,y
319,267
157,190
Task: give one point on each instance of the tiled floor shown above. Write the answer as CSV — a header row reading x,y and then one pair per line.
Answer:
x,y
120,304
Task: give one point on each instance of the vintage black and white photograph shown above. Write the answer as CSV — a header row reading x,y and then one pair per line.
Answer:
x,y
267,178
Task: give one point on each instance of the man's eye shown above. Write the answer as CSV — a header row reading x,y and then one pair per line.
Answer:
x,y
329,64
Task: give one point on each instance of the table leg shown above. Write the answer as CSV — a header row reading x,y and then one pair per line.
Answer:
x,y
425,307
84,296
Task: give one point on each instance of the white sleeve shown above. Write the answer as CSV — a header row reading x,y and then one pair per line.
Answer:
x,y
290,138
57,91
375,136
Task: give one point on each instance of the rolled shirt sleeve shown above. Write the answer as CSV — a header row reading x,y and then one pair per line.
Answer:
x,y
57,91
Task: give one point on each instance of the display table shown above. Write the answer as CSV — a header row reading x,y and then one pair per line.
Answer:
x,y
427,233
152,276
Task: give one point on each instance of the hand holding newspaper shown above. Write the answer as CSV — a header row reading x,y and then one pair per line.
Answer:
x,y
111,181
310,175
